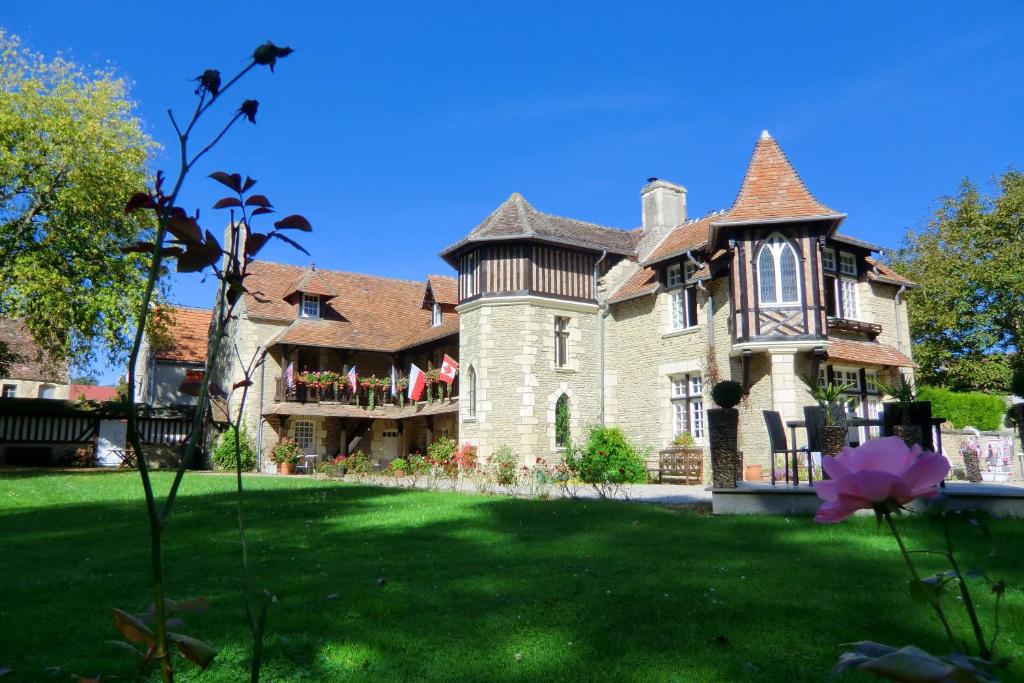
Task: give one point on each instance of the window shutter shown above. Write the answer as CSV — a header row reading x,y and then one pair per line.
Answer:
x,y
691,306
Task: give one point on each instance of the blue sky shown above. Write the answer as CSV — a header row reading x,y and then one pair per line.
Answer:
x,y
396,127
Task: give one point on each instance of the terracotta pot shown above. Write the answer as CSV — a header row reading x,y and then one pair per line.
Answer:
x,y
752,473
723,425
911,434
285,467
399,474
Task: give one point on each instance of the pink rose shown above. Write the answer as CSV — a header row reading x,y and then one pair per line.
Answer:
x,y
880,471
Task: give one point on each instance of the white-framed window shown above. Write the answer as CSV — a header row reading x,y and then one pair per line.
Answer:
x,y
561,341
674,275
435,314
847,263
851,304
310,306
472,391
828,258
777,272
10,391
305,436
682,302
688,406
871,377
874,413
469,270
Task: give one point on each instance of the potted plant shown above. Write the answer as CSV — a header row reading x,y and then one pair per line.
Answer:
x,y
832,397
286,453
398,467
723,425
903,393
403,385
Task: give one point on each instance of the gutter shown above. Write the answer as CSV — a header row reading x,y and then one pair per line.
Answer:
x,y
896,305
259,419
602,311
711,302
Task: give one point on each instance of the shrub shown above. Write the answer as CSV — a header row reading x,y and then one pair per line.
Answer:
x,y
417,464
727,394
504,464
224,454
441,450
357,463
286,451
984,411
607,458
397,465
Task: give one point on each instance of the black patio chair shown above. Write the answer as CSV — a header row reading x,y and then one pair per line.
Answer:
x,y
779,444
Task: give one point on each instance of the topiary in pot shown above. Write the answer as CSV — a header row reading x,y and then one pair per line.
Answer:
x,y
723,425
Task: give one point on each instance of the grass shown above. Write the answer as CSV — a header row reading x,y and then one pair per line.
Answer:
x,y
476,588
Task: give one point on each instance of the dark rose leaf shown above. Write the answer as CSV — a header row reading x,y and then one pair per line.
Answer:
x,y
194,650
209,80
254,243
249,182
192,261
184,228
138,247
292,242
258,200
227,202
127,647
249,108
294,222
139,200
131,627
233,180
267,54
243,383
261,210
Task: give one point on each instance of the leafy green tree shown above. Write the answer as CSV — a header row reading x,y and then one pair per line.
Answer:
x,y
967,317
73,153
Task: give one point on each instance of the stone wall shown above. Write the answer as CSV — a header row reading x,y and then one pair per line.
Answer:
x,y
510,344
29,388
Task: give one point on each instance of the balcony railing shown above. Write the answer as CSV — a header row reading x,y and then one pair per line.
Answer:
x,y
341,394
870,330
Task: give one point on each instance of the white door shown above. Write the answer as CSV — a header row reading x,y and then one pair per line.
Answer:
x,y
112,439
387,449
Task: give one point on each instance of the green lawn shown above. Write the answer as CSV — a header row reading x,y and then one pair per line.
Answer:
x,y
476,588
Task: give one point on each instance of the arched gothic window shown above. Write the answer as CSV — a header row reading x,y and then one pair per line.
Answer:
x,y
777,272
562,421
472,391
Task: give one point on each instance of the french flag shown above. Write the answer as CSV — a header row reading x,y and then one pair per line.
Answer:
x,y
417,382
352,379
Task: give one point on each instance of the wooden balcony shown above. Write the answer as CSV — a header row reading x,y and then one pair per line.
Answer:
x,y
341,395
869,330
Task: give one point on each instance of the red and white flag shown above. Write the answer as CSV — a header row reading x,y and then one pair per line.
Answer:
x,y
417,383
352,379
448,369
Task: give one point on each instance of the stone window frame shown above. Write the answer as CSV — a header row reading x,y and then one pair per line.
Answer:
x,y
471,406
307,450
310,306
683,394
46,390
563,388
561,332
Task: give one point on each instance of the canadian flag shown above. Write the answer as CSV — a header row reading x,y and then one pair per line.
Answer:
x,y
448,369
417,382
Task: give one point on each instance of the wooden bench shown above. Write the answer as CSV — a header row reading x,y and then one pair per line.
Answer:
x,y
680,465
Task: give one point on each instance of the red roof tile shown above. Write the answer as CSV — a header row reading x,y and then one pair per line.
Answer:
x,y
642,283
30,362
188,332
444,288
887,274
310,282
369,312
867,353
688,236
87,392
772,189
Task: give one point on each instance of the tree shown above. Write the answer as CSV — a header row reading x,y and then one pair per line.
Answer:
x,y
73,153
967,317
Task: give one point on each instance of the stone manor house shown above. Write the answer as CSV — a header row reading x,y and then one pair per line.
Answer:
x,y
623,327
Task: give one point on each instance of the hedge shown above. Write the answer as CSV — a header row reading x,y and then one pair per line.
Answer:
x,y
975,409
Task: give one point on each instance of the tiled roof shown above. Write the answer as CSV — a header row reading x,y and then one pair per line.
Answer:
x,y
310,282
445,289
867,353
517,219
368,312
29,362
846,239
188,332
88,392
690,235
642,283
772,189
886,274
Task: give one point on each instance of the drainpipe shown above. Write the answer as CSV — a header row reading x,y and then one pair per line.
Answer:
x,y
602,311
259,421
896,305
711,305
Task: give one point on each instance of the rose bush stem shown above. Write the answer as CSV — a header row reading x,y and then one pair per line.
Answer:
x,y
983,650
913,572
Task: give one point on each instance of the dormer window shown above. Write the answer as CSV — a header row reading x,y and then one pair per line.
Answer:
x,y
777,272
435,314
847,263
310,306
673,275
